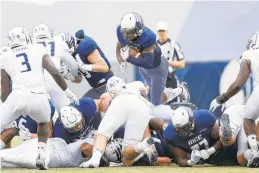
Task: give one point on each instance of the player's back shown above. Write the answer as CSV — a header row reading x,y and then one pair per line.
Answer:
x,y
25,68
253,56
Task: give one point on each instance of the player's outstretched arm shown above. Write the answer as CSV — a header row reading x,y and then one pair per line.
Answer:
x,y
236,86
118,52
50,67
180,157
5,85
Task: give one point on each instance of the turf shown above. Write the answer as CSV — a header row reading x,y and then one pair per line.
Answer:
x,y
169,169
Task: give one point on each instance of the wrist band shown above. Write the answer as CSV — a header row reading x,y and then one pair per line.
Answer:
x,y
137,55
222,99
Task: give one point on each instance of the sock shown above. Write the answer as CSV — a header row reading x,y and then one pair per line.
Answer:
x,y
97,154
172,93
252,142
138,148
2,144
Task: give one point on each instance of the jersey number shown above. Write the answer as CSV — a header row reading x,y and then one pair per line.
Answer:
x,y
25,62
202,144
52,47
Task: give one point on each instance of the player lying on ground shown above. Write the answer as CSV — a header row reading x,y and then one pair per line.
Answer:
x,y
62,155
232,131
249,64
164,152
23,66
134,116
195,133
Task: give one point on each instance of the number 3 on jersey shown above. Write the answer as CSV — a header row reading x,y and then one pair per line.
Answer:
x,y
25,62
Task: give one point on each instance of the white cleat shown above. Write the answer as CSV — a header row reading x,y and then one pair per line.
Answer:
x,y
42,161
149,149
185,96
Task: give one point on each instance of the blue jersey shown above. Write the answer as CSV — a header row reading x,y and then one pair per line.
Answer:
x,y
84,49
204,122
25,121
147,39
87,107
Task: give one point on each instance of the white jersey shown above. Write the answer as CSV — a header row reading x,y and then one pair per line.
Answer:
x,y
62,155
59,52
253,56
24,66
236,114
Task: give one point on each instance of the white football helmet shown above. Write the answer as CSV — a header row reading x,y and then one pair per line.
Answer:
x,y
132,26
40,32
113,150
18,36
183,121
115,83
71,118
253,42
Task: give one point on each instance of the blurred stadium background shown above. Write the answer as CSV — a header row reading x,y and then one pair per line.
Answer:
x,y
213,34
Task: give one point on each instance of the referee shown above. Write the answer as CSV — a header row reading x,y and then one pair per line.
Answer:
x,y
171,50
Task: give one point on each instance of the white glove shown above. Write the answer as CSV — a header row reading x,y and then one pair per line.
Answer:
x,y
92,163
72,96
83,67
195,157
24,134
205,154
214,105
123,67
65,72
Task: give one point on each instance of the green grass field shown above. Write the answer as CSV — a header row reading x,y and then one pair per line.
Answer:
x,y
169,169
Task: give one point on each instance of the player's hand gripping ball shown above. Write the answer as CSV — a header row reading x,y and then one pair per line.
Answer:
x,y
134,53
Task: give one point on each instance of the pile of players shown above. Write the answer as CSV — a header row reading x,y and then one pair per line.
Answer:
x,y
135,125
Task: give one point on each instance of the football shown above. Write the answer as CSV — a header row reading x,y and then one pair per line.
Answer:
x,y
133,52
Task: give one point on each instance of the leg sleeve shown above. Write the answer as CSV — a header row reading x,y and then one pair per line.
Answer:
x,y
147,79
115,117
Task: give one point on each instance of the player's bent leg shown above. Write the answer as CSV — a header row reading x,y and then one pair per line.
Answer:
x,y
6,136
12,108
251,114
42,116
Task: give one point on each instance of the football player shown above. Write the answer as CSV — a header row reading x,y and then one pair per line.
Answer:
x,y
249,64
62,155
23,66
144,53
190,132
232,132
93,63
118,114
59,52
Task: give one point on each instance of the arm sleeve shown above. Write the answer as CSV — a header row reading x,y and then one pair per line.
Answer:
x,y
146,61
